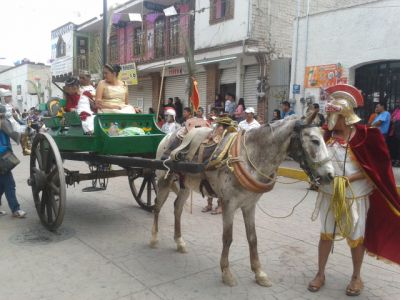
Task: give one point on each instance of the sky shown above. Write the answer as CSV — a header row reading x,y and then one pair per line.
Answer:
x,y
26,25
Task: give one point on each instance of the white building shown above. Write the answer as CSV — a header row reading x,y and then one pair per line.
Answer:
x,y
359,45
17,78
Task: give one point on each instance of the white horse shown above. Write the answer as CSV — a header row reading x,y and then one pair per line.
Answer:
x,y
261,152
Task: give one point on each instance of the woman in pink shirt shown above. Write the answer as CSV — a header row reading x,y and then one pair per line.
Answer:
x,y
239,112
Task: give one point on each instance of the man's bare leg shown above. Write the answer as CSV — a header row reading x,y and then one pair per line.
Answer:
x,y
355,286
324,248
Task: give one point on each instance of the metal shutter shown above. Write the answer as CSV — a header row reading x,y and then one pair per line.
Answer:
x,y
175,87
228,76
141,94
250,86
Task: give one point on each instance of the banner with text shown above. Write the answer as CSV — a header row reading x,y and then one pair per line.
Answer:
x,y
128,74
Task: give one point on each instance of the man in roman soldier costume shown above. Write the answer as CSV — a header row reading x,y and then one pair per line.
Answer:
x,y
361,205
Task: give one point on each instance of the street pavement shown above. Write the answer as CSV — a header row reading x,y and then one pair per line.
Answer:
x,y
102,252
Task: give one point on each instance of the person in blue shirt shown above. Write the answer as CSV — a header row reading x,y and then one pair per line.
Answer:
x,y
286,111
7,183
382,120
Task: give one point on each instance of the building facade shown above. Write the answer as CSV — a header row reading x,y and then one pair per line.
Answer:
x,y
243,47
21,78
361,49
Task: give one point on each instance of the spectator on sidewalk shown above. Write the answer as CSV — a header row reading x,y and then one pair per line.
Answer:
x,y
286,111
7,183
239,112
249,122
382,120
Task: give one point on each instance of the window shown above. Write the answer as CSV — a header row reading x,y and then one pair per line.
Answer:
x,y
159,37
82,53
138,42
221,10
61,47
173,44
113,49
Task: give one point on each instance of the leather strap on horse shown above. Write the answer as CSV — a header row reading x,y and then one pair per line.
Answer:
x,y
241,173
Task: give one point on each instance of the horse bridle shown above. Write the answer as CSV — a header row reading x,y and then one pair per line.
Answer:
x,y
301,156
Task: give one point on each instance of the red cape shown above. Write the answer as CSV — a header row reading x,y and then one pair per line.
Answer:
x,y
382,233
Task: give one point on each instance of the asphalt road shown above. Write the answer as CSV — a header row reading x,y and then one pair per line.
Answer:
x,y
102,252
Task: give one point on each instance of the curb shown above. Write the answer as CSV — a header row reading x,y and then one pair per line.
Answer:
x,y
300,175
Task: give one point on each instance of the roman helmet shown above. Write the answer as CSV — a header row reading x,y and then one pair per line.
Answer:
x,y
343,98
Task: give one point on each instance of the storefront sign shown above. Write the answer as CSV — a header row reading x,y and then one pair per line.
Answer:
x,y
128,74
324,76
175,71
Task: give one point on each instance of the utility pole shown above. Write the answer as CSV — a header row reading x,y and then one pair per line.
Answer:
x,y
105,21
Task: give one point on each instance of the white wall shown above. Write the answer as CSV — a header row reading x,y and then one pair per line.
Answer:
x,y
353,36
221,33
18,76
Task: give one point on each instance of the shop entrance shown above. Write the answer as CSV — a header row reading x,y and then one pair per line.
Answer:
x,y
227,88
379,82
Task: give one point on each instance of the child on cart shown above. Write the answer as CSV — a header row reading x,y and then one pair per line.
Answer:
x,y
80,102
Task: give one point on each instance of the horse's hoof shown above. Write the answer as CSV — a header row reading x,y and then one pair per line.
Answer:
x,y
263,280
153,243
181,245
181,249
228,279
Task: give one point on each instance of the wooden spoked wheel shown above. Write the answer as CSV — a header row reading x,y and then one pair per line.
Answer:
x,y
143,185
47,180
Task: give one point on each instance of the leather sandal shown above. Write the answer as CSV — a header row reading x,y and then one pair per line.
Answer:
x,y
315,287
356,289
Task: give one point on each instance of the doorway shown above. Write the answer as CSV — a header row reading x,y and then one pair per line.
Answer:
x,y
227,88
379,82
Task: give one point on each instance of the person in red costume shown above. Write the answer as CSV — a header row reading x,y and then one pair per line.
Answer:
x,y
370,215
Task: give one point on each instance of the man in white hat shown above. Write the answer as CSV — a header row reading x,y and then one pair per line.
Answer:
x,y
170,125
10,125
249,122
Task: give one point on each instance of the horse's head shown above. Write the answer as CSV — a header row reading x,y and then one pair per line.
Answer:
x,y
308,148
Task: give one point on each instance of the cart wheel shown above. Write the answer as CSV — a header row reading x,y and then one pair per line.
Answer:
x,y
47,180
144,188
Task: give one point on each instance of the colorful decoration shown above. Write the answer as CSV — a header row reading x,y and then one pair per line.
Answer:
x,y
195,98
324,76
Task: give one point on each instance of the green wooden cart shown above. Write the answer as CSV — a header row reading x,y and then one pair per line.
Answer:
x,y
65,140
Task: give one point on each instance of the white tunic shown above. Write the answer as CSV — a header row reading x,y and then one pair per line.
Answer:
x,y
360,190
84,106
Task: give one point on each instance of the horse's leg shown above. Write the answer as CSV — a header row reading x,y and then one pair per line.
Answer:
x,y
178,208
227,217
249,221
162,195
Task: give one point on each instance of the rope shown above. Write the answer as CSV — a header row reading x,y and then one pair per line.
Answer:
x,y
291,213
259,171
341,207
168,168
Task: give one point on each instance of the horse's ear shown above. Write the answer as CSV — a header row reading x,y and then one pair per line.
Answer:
x,y
310,117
